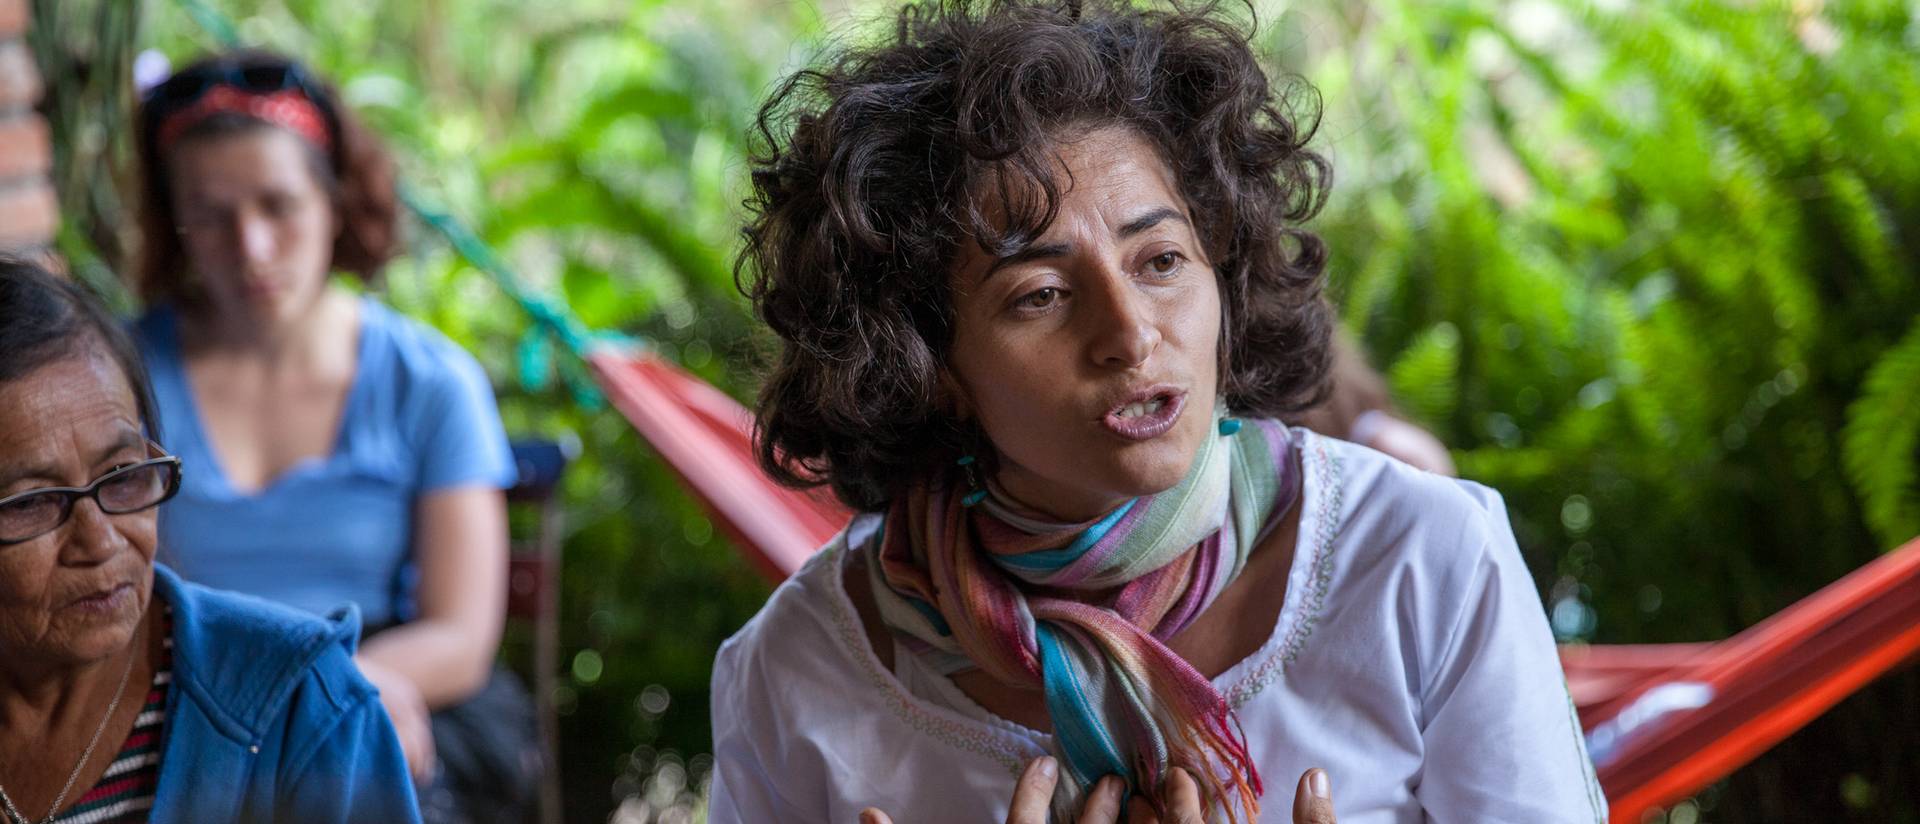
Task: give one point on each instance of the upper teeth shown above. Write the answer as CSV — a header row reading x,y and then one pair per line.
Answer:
x,y
1134,410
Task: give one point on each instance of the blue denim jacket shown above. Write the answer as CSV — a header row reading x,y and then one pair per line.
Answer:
x,y
269,720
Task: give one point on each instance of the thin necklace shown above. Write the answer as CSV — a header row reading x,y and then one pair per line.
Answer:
x,y
13,813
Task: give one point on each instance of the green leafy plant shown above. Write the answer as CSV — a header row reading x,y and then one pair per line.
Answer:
x,y
1882,436
1650,268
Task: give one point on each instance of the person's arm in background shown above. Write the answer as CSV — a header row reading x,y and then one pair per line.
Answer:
x,y
460,544
445,654
1359,409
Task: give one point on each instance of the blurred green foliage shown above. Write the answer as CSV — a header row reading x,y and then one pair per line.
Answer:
x,y
1649,267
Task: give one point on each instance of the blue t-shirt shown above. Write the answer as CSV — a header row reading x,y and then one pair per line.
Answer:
x,y
419,417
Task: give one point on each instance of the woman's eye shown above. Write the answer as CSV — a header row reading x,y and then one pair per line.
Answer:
x,y
200,219
1164,264
1039,299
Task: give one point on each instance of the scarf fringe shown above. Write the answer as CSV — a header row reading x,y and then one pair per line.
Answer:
x,y
1222,763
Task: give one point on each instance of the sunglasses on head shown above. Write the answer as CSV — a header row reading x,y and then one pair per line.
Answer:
x,y
183,89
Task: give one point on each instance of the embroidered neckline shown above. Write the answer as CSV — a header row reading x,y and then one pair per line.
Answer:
x,y
1300,615
965,734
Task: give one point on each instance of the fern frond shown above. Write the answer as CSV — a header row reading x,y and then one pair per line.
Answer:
x,y
1882,442
1426,377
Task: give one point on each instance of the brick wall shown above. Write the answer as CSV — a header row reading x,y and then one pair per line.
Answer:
x,y
29,213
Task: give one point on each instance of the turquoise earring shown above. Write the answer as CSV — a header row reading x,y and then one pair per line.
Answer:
x,y
977,493
1229,426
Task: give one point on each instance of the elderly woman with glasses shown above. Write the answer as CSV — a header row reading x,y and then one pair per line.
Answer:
x,y
127,694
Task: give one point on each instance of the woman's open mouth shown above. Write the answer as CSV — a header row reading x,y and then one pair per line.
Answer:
x,y
1147,415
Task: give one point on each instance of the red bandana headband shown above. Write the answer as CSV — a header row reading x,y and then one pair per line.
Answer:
x,y
286,108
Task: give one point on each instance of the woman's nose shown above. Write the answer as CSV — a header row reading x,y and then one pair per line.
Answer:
x,y
1125,331
91,535
255,236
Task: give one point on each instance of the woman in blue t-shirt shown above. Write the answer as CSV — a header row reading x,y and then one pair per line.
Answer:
x,y
337,453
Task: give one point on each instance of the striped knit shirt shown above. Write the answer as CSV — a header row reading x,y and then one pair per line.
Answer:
x,y
124,795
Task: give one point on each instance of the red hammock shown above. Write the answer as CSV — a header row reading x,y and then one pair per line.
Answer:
x,y
707,438
1663,721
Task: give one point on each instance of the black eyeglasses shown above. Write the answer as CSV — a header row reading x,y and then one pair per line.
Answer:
x,y
183,89
130,488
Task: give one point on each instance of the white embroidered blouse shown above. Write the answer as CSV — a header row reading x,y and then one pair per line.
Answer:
x,y
1411,660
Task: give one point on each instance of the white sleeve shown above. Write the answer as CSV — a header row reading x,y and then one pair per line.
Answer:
x,y
1502,741
743,791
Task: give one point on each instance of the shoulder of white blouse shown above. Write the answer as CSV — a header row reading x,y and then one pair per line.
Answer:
x,y
795,627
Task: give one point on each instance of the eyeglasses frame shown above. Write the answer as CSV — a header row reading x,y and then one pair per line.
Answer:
x,y
75,493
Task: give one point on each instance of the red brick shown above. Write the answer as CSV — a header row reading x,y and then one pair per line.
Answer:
x,y
29,215
13,17
19,80
23,146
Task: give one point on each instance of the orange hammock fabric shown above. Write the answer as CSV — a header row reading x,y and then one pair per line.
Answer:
x,y
707,438
1662,721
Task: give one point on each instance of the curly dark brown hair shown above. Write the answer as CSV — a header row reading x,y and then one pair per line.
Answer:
x,y
357,173
865,183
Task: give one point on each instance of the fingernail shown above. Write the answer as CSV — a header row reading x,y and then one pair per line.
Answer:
x,y
1047,766
1319,785
867,816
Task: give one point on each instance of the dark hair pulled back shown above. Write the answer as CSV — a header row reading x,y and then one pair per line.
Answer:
x,y
357,173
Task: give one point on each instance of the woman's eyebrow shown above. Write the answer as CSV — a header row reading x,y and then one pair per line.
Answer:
x,y
1036,251
9,478
1152,218
128,440
1149,220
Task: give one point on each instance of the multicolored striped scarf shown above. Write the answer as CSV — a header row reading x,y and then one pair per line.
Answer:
x,y
1083,611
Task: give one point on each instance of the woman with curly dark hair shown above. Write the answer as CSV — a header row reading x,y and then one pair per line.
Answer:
x,y
336,452
1042,285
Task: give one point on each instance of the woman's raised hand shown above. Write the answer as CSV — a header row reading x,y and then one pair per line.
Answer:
x,y
1312,800
1035,792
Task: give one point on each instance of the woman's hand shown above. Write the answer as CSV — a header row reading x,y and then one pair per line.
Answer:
x,y
411,719
1034,792
1312,800
1182,800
